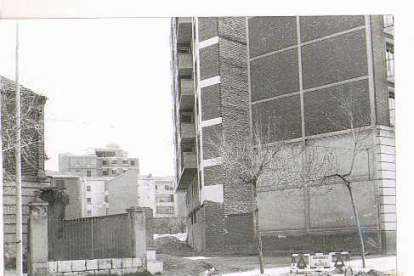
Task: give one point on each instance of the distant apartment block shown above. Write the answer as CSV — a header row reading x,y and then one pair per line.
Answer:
x,y
158,193
97,162
95,168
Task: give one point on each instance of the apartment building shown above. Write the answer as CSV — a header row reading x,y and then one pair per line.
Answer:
x,y
96,167
97,162
231,72
33,157
158,193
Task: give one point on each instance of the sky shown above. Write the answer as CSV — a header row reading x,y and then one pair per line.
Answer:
x,y
106,80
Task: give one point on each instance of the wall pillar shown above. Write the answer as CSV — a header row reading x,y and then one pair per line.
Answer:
x,y
138,229
38,238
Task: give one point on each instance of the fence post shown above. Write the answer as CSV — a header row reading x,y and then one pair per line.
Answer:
x,y
138,231
38,238
149,228
92,238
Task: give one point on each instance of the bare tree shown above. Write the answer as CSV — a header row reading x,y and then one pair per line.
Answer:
x,y
31,129
248,158
357,121
22,135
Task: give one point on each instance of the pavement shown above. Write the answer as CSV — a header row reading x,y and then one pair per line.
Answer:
x,y
384,264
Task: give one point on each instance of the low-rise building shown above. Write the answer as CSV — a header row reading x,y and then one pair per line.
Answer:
x,y
70,184
158,193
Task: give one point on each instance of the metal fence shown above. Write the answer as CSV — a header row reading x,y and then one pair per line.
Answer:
x,y
90,238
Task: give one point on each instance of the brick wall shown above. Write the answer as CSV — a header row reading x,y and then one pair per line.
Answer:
x,y
214,226
239,233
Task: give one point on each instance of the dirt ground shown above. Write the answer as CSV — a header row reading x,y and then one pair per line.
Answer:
x,y
181,266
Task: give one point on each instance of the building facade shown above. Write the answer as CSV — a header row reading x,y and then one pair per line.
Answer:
x,y
96,168
107,162
157,193
95,199
33,157
70,185
230,73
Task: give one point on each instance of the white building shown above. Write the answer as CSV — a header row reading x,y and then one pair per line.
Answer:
x,y
158,193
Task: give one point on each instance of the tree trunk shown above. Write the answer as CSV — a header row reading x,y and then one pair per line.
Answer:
x,y
258,237
361,239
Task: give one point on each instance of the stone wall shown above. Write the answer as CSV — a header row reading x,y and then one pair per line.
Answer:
x,y
105,266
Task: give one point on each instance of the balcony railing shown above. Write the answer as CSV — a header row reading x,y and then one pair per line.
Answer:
x,y
184,30
390,70
185,64
188,169
186,93
187,131
389,24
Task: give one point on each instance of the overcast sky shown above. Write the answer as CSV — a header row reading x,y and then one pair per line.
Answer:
x,y
106,80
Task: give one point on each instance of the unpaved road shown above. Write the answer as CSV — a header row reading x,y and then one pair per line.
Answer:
x,y
181,266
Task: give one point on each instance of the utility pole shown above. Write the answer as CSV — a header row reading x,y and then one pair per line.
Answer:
x,y
19,235
1,191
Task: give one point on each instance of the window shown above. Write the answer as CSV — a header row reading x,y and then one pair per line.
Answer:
x,y
188,146
114,171
106,199
125,161
105,172
391,102
165,210
114,162
187,116
88,173
156,187
389,59
88,188
132,162
388,20
165,198
105,162
89,213
89,200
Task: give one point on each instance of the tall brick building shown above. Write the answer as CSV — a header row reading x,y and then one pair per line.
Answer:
x,y
33,157
231,71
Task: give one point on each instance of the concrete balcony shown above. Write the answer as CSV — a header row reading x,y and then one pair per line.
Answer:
x,y
187,131
389,30
184,30
186,94
188,169
185,64
390,71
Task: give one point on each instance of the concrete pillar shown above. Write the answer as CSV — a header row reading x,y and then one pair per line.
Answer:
x,y
149,227
138,228
38,238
